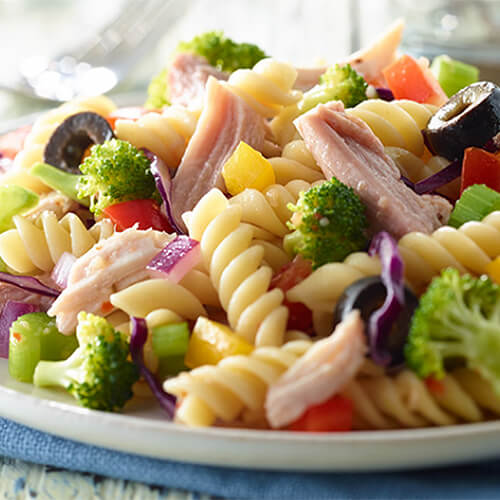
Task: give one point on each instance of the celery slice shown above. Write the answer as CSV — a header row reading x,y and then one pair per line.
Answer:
x,y
170,340
453,75
14,200
476,202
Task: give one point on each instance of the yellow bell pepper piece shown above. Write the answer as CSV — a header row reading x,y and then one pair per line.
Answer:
x,y
247,168
211,341
493,270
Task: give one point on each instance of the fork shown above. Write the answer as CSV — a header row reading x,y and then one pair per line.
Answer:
x,y
106,58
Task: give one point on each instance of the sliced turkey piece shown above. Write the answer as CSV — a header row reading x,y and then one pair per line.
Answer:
x,y
321,373
94,275
187,76
345,147
226,120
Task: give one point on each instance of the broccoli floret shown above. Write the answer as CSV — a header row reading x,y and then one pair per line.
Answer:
x,y
98,373
115,171
457,321
329,223
338,83
220,52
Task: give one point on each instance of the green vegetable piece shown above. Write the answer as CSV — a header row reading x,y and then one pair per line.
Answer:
x,y
157,91
14,200
59,180
3,266
476,202
98,374
170,340
222,52
453,75
338,83
329,223
457,321
170,366
34,337
115,171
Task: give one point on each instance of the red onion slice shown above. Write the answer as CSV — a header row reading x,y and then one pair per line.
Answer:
x,y
11,311
385,94
176,259
61,270
29,284
439,179
137,340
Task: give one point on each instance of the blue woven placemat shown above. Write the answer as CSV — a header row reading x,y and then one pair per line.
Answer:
x,y
480,481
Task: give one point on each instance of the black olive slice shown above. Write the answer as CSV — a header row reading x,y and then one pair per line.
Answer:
x,y
367,295
470,118
70,140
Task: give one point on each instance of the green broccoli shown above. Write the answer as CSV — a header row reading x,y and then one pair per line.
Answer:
x,y
98,373
457,321
115,171
329,223
338,83
220,52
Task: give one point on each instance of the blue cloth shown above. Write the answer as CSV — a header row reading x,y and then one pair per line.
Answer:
x,y
480,481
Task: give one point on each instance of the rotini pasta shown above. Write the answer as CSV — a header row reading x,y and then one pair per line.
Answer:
x,y
165,134
397,123
37,246
235,384
267,87
39,135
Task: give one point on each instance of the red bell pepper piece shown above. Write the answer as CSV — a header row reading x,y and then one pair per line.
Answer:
x,y
13,142
145,213
412,79
334,415
480,167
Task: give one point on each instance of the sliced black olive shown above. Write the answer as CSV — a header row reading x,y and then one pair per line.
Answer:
x,y
70,140
367,295
470,118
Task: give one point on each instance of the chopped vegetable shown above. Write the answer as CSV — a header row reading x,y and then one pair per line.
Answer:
x,y
138,338
13,142
10,312
158,91
480,167
14,200
453,75
338,83
493,270
176,259
329,223
334,415
439,179
60,273
412,79
98,373
59,180
145,213
211,341
35,337
170,340
115,172
385,94
29,284
247,168
457,321
476,202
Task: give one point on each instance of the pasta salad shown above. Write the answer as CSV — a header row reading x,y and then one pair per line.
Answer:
x,y
264,246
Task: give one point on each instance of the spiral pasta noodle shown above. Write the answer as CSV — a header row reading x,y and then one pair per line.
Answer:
x,y
40,133
404,400
166,134
397,123
267,87
237,271
34,246
236,385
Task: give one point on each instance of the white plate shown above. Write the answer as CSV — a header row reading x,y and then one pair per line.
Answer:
x,y
143,430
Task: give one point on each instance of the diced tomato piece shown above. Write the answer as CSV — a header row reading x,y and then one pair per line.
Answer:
x,y
129,113
480,167
334,415
412,79
13,142
300,316
434,385
145,213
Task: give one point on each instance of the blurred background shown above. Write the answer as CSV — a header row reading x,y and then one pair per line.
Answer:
x,y
55,49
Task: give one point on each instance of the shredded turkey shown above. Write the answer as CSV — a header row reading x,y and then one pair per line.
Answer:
x,y
94,275
320,374
226,120
187,76
346,148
